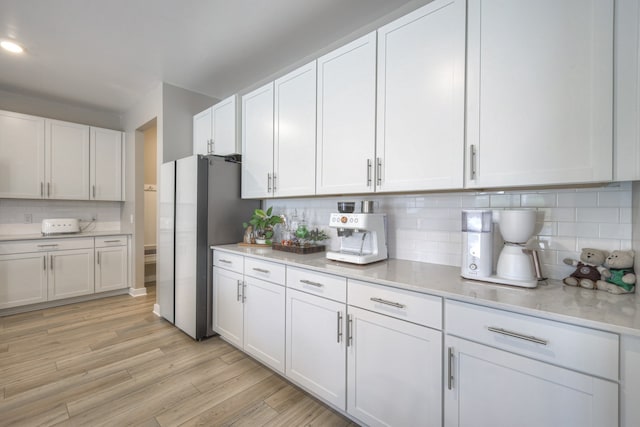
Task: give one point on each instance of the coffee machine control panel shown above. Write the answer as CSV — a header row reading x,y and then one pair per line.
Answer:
x,y
344,220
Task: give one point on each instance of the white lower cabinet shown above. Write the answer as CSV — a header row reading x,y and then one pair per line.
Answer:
x,y
249,312
394,371
23,279
71,273
507,369
111,264
315,341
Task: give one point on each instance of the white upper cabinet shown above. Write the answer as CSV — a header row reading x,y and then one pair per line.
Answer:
x,y
215,129
539,92
257,143
627,91
67,160
345,153
295,133
202,132
420,120
21,156
106,164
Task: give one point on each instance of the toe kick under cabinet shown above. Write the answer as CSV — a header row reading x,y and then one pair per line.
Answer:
x,y
508,369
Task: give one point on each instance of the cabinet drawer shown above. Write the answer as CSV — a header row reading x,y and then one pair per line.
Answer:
x,y
406,305
45,245
321,284
575,347
106,241
228,261
265,270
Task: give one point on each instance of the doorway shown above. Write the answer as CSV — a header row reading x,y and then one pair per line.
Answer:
x,y
150,183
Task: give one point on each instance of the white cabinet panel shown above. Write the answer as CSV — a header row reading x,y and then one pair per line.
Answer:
x,y
394,371
111,268
23,279
224,127
257,143
629,381
106,164
264,329
627,91
491,387
420,120
71,273
347,118
21,156
202,128
539,92
227,305
315,340
295,133
67,160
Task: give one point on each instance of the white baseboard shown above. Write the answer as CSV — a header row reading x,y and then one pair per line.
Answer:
x,y
137,292
156,309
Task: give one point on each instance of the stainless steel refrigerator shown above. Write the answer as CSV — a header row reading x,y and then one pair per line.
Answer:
x,y
200,206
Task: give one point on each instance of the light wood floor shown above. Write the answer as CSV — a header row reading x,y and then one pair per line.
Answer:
x,y
113,362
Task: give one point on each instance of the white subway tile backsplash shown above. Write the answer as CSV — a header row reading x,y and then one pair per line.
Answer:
x,y
426,227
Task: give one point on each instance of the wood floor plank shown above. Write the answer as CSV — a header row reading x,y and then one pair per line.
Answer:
x,y
113,362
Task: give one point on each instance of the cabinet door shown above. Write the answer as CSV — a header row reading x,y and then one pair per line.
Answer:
x,y
23,279
420,127
71,273
626,116
490,387
264,313
202,127
227,305
67,160
257,143
106,164
316,356
295,133
539,100
394,371
21,156
224,138
111,268
347,118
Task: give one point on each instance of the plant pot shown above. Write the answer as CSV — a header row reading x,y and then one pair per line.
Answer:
x,y
261,241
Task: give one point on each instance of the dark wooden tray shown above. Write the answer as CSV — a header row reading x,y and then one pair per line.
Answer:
x,y
298,249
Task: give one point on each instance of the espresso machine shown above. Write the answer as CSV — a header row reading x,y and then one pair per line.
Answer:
x,y
363,237
516,264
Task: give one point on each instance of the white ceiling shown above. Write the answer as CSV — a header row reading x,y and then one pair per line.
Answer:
x,y
106,54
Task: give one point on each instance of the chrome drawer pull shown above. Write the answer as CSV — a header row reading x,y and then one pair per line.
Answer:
x,y
261,270
309,282
339,326
112,241
53,245
450,366
517,335
349,329
391,303
238,290
226,261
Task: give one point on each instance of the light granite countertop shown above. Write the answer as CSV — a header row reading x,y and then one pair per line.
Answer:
x,y
551,300
39,236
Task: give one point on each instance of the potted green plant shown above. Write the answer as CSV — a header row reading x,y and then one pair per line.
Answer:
x,y
263,223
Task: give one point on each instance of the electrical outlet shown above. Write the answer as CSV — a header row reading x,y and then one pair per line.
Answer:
x,y
28,218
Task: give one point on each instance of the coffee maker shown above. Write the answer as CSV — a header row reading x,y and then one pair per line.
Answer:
x,y
516,264
363,236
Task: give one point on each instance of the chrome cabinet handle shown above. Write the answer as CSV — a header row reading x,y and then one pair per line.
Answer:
x,y
48,189
386,302
379,171
94,191
113,241
269,182
238,290
349,330
44,263
309,282
41,189
450,367
472,161
226,261
98,257
52,245
51,263
368,172
261,270
244,292
274,182
339,326
517,335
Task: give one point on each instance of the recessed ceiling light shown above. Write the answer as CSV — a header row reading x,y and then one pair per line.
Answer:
x,y
11,46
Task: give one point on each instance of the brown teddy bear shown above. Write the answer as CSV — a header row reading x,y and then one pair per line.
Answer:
x,y
588,269
618,276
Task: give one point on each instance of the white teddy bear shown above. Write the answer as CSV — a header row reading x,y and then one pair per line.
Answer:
x,y
618,276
